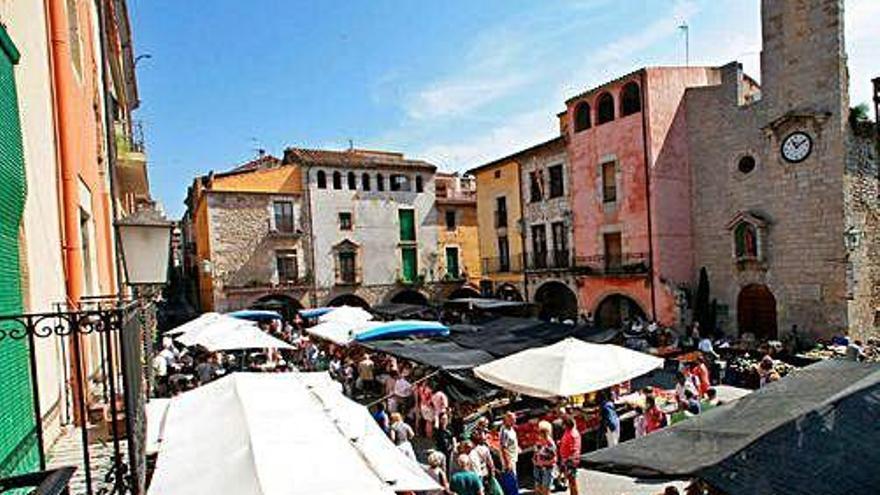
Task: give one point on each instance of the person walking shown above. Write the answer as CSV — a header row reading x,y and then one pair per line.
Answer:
x,y
610,420
570,453
509,444
437,472
544,458
465,481
402,435
444,440
484,465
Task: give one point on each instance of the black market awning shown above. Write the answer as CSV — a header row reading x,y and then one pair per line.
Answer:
x,y
507,335
401,310
814,431
436,353
484,304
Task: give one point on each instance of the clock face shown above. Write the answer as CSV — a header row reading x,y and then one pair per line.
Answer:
x,y
796,147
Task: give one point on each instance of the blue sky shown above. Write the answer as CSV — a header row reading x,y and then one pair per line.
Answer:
x,y
455,82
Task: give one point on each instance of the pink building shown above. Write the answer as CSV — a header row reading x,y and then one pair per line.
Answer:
x,y
631,187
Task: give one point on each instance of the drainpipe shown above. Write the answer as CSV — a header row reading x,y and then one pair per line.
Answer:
x,y
522,232
63,82
110,135
648,193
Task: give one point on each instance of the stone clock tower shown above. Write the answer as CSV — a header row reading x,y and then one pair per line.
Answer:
x,y
777,176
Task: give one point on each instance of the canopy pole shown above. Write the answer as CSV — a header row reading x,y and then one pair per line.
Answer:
x,y
420,380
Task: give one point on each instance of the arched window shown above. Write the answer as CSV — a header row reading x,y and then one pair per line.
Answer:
x,y
582,118
352,181
605,108
630,99
380,182
419,186
365,181
337,180
322,179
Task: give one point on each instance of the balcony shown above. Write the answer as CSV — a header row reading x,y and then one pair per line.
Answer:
x,y
626,264
513,264
303,280
559,259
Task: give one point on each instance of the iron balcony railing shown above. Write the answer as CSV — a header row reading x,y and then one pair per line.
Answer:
x,y
623,264
348,277
558,259
512,264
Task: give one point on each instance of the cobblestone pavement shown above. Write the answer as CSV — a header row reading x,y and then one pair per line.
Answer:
x,y
67,451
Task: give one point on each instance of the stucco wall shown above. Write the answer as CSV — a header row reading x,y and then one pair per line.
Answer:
x,y
376,227
490,187
465,237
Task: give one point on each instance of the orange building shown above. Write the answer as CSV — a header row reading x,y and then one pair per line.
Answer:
x,y
457,233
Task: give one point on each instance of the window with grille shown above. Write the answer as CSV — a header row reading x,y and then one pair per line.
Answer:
x,y
347,271
535,186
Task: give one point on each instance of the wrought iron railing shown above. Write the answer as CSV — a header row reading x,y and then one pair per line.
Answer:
x,y
121,332
559,259
623,264
348,277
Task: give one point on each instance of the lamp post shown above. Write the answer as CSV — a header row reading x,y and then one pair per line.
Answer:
x,y
145,239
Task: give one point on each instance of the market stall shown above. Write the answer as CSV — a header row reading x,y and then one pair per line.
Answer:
x,y
277,434
814,431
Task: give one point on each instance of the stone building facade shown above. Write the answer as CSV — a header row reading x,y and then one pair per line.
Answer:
x,y
785,193
374,226
548,229
251,237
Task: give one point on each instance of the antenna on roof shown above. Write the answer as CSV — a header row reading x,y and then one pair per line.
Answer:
x,y
350,145
261,151
687,43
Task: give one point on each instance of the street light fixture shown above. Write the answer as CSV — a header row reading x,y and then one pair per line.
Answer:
x,y
145,238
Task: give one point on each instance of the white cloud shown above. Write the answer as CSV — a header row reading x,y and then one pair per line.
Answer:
x,y
862,25
462,95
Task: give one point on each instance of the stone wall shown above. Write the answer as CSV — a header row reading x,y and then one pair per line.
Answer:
x,y
862,204
802,256
243,246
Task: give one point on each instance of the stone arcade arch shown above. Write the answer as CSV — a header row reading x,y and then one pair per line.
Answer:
x,y
410,296
613,310
349,300
557,300
284,304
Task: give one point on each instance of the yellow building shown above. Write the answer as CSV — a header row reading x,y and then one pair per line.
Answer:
x,y
458,239
249,237
499,212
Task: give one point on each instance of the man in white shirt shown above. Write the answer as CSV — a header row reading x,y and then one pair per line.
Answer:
x,y
509,454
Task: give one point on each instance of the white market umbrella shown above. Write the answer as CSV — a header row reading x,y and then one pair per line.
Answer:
x,y
569,367
342,332
270,434
230,338
199,322
194,334
346,314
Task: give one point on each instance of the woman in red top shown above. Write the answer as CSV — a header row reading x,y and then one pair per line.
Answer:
x,y
569,453
654,417
701,372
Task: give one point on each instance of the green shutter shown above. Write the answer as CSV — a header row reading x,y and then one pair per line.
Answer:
x,y
18,448
410,263
452,262
407,225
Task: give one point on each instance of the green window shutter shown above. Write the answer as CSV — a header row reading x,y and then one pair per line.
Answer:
x,y
410,264
18,447
407,225
452,262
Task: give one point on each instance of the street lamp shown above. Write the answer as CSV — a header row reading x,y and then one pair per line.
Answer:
x,y
145,238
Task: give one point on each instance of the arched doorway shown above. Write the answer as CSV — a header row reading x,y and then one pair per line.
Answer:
x,y
756,312
281,303
349,300
409,296
463,292
508,292
615,309
557,301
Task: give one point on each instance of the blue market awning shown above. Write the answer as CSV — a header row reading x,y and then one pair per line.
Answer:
x,y
403,328
315,312
256,315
